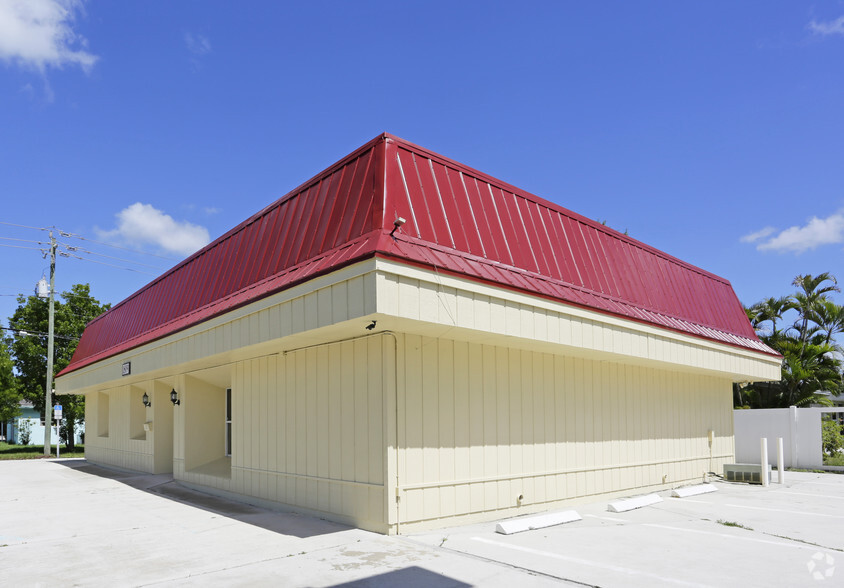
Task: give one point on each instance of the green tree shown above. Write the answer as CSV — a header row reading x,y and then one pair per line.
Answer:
x,y
29,347
812,364
833,440
9,395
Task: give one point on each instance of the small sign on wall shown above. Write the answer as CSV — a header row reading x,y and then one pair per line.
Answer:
x,y
127,368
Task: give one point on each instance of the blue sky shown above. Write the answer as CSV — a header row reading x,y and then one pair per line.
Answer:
x,y
713,131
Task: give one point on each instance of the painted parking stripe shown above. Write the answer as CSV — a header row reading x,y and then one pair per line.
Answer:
x,y
586,562
796,512
613,519
810,494
729,536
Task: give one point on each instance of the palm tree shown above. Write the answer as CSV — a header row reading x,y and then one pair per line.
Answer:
x,y
812,289
829,317
811,367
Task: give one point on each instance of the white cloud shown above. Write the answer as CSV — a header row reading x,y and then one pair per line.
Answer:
x,y
38,34
761,234
833,27
142,224
799,239
197,44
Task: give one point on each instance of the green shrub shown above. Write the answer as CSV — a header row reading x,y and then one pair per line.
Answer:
x,y
24,431
833,440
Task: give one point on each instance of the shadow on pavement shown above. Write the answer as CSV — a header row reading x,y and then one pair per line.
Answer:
x,y
163,485
406,578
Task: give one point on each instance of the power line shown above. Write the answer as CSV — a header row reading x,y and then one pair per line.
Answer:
x,y
24,226
21,247
80,250
21,240
128,269
81,238
26,333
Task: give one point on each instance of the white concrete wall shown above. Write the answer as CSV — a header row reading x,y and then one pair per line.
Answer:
x,y
800,429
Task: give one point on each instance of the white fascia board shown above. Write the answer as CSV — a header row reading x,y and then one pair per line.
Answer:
x,y
104,370
768,366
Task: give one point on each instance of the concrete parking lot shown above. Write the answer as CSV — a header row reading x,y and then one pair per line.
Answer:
x,y
70,523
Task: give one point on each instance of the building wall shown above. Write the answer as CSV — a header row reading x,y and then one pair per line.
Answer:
x,y
308,429
482,425
116,435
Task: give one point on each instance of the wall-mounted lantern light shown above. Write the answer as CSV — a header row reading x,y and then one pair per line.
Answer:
x,y
146,401
174,397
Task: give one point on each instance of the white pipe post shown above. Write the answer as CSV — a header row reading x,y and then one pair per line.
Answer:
x,y
780,462
764,447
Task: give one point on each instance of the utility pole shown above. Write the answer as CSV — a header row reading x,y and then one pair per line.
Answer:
x,y
48,394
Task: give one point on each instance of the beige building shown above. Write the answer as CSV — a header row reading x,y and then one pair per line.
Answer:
x,y
403,342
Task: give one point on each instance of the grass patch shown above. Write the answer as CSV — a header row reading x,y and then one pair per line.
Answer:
x,y
836,460
733,524
8,451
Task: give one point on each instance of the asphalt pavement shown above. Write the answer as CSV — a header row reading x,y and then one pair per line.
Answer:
x,y
71,523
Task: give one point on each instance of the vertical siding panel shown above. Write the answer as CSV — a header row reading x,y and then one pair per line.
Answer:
x,y
355,295
477,415
339,302
252,480
537,437
263,426
625,438
598,417
412,423
613,408
376,447
483,313
272,408
347,402
445,389
297,310
301,358
492,466
511,401
323,441
334,434
581,424
525,445
408,298
505,406
360,414
238,426
462,424
390,441
290,431
375,357
430,426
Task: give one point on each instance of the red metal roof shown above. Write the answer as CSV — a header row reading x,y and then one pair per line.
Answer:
x,y
458,221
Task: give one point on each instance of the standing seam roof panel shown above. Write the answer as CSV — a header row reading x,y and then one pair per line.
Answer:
x,y
470,225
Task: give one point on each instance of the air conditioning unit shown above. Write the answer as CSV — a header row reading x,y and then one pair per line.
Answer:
x,y
746,472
